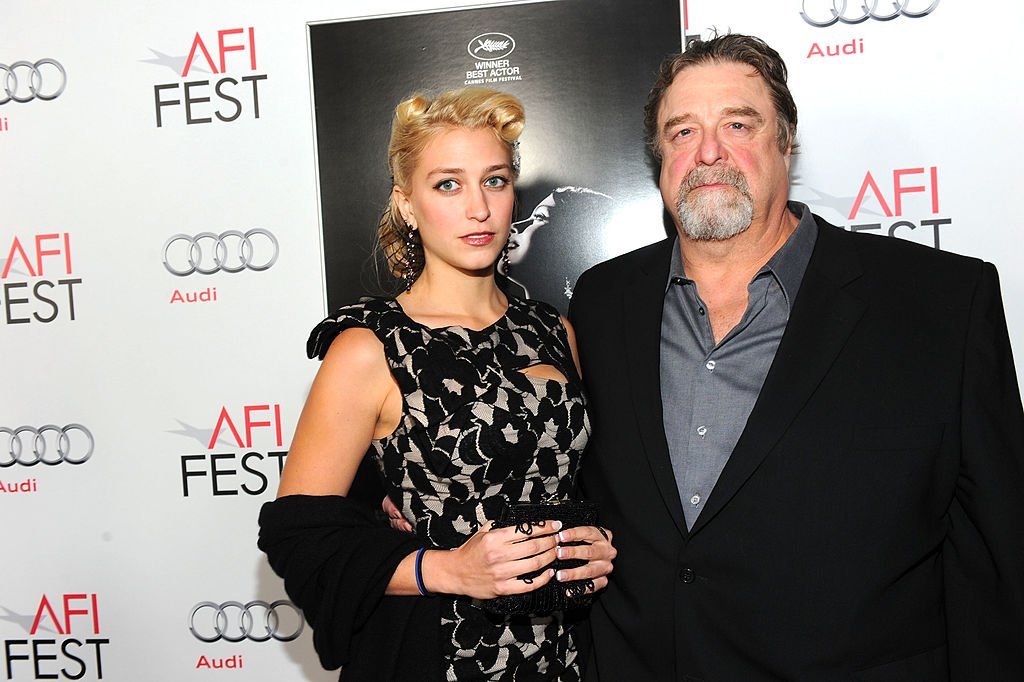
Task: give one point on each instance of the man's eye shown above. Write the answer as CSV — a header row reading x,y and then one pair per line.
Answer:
x,y
683,133
738,126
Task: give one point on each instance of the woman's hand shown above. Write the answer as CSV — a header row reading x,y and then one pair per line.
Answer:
x,y
488,563
598,552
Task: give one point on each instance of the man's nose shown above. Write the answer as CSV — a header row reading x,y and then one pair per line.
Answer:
x,y
710,150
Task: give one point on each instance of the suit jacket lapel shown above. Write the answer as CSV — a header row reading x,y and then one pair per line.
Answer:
x,y
642,303
822,318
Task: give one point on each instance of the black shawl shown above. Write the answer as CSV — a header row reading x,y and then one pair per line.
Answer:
x,y
336,558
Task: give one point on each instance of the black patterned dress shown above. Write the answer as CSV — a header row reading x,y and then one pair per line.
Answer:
x,y
476,434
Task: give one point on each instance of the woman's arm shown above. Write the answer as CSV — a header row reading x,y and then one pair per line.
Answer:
x,y
353,400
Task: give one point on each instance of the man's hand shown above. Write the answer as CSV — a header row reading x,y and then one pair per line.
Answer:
x,y
395,518
597,550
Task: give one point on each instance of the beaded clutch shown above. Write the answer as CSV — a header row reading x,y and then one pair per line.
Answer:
x,y
552,596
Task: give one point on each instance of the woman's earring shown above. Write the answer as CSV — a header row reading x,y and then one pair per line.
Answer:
x,y
410,257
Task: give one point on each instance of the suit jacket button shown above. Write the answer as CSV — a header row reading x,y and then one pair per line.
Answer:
x,y
687,575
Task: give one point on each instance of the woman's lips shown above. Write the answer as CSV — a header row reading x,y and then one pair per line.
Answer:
x,y
478,238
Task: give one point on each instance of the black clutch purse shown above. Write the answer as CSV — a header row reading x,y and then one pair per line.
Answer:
x,y
552,596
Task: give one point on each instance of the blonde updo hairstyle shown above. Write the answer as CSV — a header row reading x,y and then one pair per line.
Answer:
x,y
417,121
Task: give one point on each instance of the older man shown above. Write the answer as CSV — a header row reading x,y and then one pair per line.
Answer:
x,y
810,443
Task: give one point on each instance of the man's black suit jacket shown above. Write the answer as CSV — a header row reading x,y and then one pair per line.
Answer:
x,y
869,524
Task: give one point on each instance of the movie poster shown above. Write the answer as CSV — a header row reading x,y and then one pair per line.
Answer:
x,y
582,69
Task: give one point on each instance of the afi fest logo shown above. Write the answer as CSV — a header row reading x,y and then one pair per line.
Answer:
x,y
898,203
205,99
64,640
491,50
38,278
245,467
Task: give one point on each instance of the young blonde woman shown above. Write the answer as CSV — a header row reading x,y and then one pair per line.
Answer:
x,y
470,401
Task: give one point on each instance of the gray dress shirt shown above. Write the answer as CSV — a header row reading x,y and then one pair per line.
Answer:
x,y
708,391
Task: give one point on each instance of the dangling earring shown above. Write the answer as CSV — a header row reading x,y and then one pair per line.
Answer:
x,y
409,275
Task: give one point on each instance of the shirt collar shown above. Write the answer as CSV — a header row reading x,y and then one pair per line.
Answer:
x,y
787,264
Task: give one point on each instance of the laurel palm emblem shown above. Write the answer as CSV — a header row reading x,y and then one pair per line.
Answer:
x,y
491,45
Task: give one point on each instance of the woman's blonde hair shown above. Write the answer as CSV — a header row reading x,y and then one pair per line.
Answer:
x,y
417,121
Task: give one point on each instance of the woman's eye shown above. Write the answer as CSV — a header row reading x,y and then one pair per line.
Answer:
x,y
495,181
447,186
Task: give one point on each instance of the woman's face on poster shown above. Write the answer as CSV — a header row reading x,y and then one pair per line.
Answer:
x,y
524,230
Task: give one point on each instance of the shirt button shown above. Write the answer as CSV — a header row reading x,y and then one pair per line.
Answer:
x,y
702,430
710,364
687,575
700,310
695,500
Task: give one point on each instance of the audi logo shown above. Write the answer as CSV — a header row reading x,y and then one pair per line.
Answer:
x,y
49,444
234,621
229,251
32,85
828,12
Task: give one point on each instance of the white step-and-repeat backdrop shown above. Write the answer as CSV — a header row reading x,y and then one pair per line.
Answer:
x,y
162,258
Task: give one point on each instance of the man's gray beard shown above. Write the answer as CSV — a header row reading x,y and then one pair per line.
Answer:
x,y
714,215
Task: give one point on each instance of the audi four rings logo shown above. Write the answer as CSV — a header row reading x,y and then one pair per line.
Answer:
x,y
234,621
828,12
50,444
229,251
25,81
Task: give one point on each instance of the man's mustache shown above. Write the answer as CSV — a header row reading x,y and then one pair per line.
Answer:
x,y
715,175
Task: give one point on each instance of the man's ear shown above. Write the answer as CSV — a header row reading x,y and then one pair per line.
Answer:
x,y
401,200
789,147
